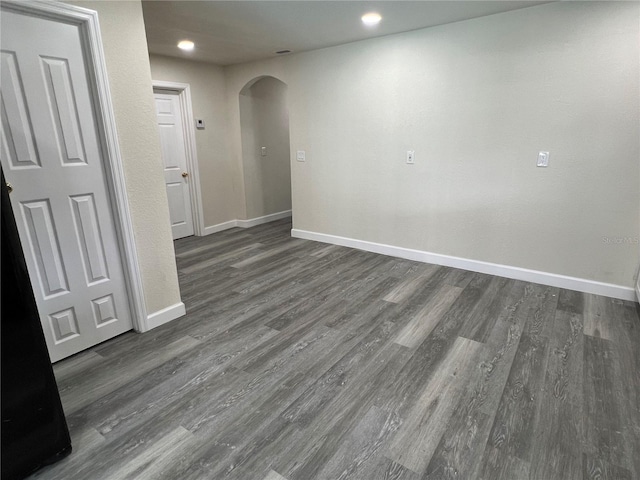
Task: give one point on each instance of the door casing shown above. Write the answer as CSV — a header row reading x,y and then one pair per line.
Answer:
x,y
91,41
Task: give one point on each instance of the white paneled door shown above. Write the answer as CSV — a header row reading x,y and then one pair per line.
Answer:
x,y
174,157
52,157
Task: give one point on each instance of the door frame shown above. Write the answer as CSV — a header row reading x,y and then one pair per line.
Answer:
x,y
91,41
184,98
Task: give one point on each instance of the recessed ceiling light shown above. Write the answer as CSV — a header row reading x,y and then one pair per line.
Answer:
x,y
372,18
186,45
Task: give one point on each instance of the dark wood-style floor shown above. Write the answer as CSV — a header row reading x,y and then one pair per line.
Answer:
x,y
301,361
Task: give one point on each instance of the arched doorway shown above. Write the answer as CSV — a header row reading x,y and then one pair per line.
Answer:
x,y
264,125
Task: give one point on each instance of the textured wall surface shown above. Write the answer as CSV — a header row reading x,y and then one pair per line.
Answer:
x,y
264,120
125,48
476,100
220,195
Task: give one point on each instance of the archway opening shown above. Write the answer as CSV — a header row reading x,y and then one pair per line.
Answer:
x,y
264,125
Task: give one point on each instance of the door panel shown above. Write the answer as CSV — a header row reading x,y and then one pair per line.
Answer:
x,y
44,244
19,145
52,157
174,158
63,110
90,238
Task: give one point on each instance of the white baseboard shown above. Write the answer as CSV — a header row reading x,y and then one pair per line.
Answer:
x,y
252,222
220,227
166,315
517,273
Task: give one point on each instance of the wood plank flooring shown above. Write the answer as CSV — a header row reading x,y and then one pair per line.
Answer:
x,y
301,361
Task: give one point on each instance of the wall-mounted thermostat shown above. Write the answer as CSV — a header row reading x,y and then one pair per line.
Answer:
x,y
200,124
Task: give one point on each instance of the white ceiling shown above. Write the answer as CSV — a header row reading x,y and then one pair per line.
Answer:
x,y
229,32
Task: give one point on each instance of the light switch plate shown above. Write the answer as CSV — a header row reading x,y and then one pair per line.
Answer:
x,y
301,156
543,159
411,157
263,151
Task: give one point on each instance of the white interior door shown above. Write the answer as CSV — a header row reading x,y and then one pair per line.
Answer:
x,y
174,157
52,157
